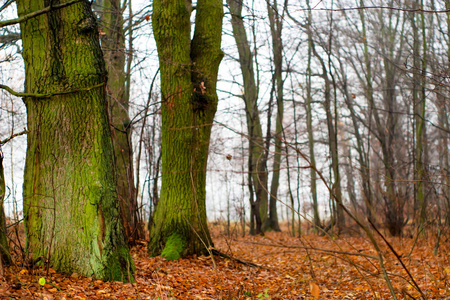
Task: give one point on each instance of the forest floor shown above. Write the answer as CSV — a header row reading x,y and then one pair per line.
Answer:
x,y
274,266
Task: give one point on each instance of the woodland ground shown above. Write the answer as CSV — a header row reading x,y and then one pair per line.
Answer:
x,y
274,266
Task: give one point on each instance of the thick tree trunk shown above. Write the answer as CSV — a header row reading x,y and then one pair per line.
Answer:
x,y
4,249
71,209
189,102
113,45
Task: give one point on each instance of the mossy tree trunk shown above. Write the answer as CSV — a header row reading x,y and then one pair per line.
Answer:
x,y
71,209
113,45
4,249
189,102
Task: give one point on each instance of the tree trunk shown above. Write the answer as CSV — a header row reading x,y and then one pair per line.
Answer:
x,y
4,249
276,26
385,132
362,153
444,117
419,112
368,91
309,126
189,102
71,210
113,45
338,218
256,143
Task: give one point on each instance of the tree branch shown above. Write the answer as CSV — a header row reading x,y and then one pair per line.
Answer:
x,y
19,94
13,136
36,13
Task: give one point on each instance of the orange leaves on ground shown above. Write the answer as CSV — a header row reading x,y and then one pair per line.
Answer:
x,y
314,267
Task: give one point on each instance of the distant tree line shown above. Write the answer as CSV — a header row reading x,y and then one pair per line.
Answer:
x,y
355,97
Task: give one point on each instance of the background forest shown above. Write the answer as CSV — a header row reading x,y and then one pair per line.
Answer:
x,y
329,116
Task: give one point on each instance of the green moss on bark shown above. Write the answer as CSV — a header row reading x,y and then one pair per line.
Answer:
x,y
174,247
71,210
188,88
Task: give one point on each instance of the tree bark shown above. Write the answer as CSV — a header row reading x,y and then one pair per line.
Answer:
x,y
338,218
386,133
71,210
4,248
309,125
113,46
189,102
256,143
276,27
420,68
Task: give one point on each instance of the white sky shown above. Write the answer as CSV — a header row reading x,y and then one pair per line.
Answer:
x,y
224,177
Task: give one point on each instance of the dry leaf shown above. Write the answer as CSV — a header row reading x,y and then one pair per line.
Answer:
x,y
314,290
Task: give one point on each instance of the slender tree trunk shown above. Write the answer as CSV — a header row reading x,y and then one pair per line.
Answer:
x,y
276,26
415,103
332,121
189,102
350,177
129,57
444,116
291,198
71,209
393,200
361,150
368,91
254,213
332,144
309,125
256,142
156,167
385,132
113,45
4,248
420,119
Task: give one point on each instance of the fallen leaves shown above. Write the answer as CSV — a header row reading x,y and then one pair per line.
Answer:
x,y
289,269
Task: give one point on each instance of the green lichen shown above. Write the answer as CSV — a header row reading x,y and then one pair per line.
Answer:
x,y
174,247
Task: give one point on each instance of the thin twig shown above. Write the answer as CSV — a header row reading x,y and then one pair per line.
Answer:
x,y
399,259
218,253
315,249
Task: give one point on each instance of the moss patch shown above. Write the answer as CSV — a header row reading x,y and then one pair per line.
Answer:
x,y
120,266
174,247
